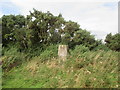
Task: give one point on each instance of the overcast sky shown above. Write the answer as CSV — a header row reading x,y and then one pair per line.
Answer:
x,y
100,17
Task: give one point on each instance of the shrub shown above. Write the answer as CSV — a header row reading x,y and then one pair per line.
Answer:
x,y
101,47
49,52
79,49
34,51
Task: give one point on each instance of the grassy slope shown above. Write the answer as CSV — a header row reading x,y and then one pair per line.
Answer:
x,y
96,69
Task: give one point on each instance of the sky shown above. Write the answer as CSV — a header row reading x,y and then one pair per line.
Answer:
x,y
100,17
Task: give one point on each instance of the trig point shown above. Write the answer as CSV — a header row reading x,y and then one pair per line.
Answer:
x,y
62,51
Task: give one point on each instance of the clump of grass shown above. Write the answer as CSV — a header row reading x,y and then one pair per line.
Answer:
x,y
12,58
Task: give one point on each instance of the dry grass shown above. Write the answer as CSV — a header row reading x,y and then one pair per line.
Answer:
x,y
55,73
33,66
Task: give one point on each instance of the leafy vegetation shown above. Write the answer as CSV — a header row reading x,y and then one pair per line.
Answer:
x,y
40,28
87,69
113,41
29,53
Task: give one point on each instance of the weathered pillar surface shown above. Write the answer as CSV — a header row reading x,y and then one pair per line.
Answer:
x,y
62,51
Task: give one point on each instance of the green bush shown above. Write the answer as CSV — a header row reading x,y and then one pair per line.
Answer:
x,y
101,47
34,51
49,52
79,49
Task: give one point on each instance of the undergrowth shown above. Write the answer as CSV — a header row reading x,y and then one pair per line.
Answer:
x,y
82,69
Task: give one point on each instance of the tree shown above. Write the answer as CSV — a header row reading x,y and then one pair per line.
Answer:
x,y
85,38
113,41
9,25
67,32
0,30
40,28
45,26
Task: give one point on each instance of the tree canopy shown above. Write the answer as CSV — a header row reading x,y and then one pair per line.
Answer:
x,y
40,28
113,41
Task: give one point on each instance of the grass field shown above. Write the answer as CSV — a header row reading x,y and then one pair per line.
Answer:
x,y
91,69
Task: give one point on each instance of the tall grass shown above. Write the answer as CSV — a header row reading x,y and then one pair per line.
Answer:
x,y
81,69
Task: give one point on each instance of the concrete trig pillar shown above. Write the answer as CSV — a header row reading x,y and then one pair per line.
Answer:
x,y
62,51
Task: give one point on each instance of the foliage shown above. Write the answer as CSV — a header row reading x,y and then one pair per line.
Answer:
x,y
84,37
40,28
30,46
79,49
0,30
12,58
44,26
9,25
0,49
101,47
93,69
49,52
113,41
